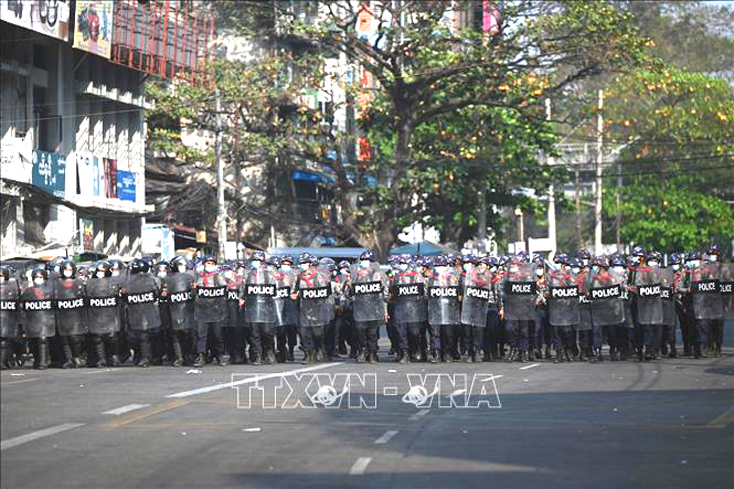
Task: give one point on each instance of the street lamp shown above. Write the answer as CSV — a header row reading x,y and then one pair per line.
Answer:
x,y
520,230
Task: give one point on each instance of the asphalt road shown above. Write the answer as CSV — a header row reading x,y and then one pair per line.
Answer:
x,y
660,424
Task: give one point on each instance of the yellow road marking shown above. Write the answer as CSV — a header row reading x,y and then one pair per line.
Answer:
x,y
726,418
140,415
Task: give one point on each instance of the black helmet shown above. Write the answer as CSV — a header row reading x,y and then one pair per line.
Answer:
x,y
273,261
102,266
344,264
178,260
150,261
39,272
116,264
655,255
257,255
600,261
584,254
5,272
675,259
286,259
639,251
139,266
68,265
306,258
618,260
366,255
162,266
714,250
209,258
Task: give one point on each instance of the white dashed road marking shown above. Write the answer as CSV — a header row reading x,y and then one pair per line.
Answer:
x,y
529,366
125,409
35,435
386,437
360,466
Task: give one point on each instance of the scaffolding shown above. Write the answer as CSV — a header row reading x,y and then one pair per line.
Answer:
x,y
164,38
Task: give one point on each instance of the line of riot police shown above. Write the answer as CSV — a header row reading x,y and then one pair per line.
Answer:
x,y
441,309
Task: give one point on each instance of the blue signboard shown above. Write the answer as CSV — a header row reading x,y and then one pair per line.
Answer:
x,y
49,172
126,185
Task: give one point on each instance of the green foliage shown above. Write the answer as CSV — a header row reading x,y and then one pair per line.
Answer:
x,y
668,215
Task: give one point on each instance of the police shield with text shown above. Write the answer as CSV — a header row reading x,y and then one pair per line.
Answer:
x,y
408,295
210,311
260,288
476,292
444,308
9,315
71,314
313,290
39,315
141,295
519,289
104,301
367,288
286,310
179,284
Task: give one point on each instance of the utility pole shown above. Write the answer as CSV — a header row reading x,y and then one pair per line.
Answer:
x,y
482,222
598,189
221,211
551,192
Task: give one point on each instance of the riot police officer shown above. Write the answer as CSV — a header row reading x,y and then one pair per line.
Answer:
x,y
367,288
71,314
210,301
9,315
313,290
39,316
104,299
142,292
260,290
178,286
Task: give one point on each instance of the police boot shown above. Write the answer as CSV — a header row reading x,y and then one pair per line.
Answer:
x,y
664,349
433,357
403,356
510,356
649,355
590,355
613,354
360,358
44,358
200,360
559,356
68,358
701,350
547,353
145,352
640,355
569,354
178,360
599,356
99,351
447,358
281,356
289,355
270,357
373,358
522,357
4,354
223,360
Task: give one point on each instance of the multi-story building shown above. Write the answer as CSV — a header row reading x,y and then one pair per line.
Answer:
x,y
73,126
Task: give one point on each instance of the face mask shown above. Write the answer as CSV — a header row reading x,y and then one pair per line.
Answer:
x,y
228,274
210,268
595,269
585,262
344,271
364,263
575,270
492,269
403,266
695,263
514,269
2,280
618,269
636,260
256,263
181,268
441,269
115,273
100,274
67,273
38,280
538,272
713,257
653,263
675,267
286,268
304,266
162,274
466,266
241,272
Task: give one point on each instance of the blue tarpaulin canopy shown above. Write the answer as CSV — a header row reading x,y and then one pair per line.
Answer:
x,y
424,248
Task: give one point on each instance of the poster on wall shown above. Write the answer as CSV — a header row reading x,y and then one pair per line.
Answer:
x,y
110,170
49,17
126,187
13,166
86,228
93,27
49,172
91,175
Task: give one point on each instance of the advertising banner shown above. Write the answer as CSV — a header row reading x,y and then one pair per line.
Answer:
x,y
93,28
48,17
49,172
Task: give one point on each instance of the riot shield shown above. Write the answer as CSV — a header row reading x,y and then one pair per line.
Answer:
x,y
520,291
234,294
705,291
210,298
39,313
260,291
9,309
443,293
286,309
368,290
408,292
666,295
606,296
563,298
477,293
71,310
142,302
181,300
647,299
727,294
316,306
103,299
584,303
